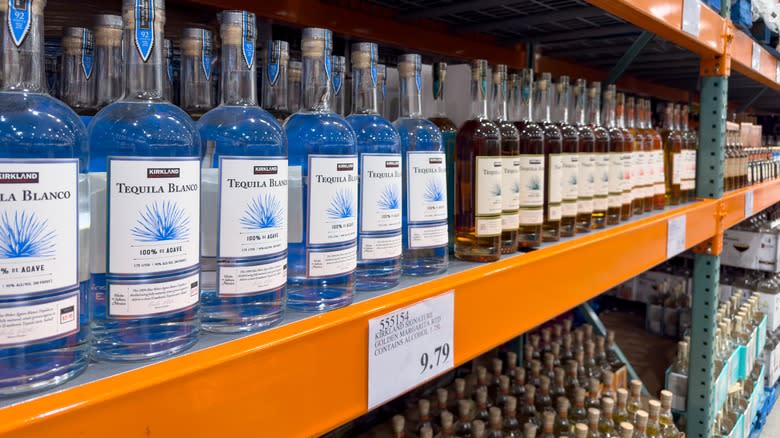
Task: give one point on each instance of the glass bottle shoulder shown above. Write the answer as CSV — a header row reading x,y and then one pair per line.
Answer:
x,y
444,124
418,134
374,133
586,133
508,130
568,131
551,131
480,129
529,129
318,132
242,130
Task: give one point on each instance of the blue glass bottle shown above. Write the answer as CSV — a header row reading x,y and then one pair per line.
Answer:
x,y
380,192
322,229
44,216
244,193
145,184
425,231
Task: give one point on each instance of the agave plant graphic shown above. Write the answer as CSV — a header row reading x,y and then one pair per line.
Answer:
x,y
534,184
515,187
605,177
22,234
341,205
591,179
573,180
496,190
161,221
434,192
390,199
264,211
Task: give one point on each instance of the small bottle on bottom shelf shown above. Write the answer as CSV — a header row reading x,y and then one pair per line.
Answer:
x,y
197,55
109,74
626,430
510,151
594,414
626,158
339,72
586,179
553,157
275,91
570,141
601,154
616,146
425,178
672,141
532,162
244,196
380,188
323,184
78,64
144,305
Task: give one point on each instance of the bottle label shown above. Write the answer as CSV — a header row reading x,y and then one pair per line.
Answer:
x,y
329,263
627,160
616,177
570,177
144,27
600,203
380,184
153,296
39,226
19,19
426,187
531,182
248,38
488,226
41,320
554,198
658,161
87,52
434,236
586,182
510,221
380,247
532,216
510,191
601,177
584,206
238,279
677,171
333,199
206,53
489,180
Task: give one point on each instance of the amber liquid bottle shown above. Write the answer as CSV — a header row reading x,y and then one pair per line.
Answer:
x,y
656,159
553,154
532,163
637,158
478,177
569,158
510,151
586,181
602,156
648,180
448,132
690,147
626,158
616,145
672,156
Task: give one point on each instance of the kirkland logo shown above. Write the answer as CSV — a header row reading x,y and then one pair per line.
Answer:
x,y
535,162
496,164
163,172
437,160
18,177
266,170
345,167
390,164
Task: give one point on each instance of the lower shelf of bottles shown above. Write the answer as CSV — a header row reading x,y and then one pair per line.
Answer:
x,y
229,384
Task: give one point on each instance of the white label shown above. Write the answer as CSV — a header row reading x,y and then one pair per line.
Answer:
x,y
640,168
380,248
488,226
570,176
37,322
755,60
615,173
252,279
428,237
330,263
412,344
426,186
333,199
601,177
600,204
133,299
749,204
531,181
510,221
660,173
627,160
39,225
677,171
675,238
510,191
252,207
154,215
380,207
584,206
690,17
586,181
531,216
554,198
489,180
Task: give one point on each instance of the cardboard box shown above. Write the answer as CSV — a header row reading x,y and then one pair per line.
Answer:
x,y
750,250
771,361
769,305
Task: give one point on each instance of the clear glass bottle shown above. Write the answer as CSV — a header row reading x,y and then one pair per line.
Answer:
x,y
570,142
109,68
78,65
553,153
578,413
606,422
324,182
295,90
244,196
170,75
563,427
425,178
495,428
587,158
544,401
463,425
478,177
448,133
616,146
423,408
381,97
146,292
593,400
195,81
690,146
379,163
275,89
621,409
510,151
626,158
338,76
511,424
44,151
399,426
653,426
594,423
634,397
666,419
672,141
528,409
532,162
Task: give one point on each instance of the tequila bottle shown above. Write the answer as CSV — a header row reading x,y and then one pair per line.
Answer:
x,y
626,158
78,65
532,163
146,291
495,424
399,426
656,159
478,178
594,415
339,70
197,59
548,425
511,424
425,178
690,145
634,397
324,188
463,425
578,412
607,423
570,141
637,158
168,83
563,427
379,192
653,426
244,195
381,96
109,69
482,405
275,81
44,153
586,179
528,410
295,90
510,151
448,132
672,141
553,153
621,410
616,146
648,167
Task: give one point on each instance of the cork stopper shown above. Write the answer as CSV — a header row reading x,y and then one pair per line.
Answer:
x,y
636,387
600,341
608,377
559,375
529,352
544,384
503,383
520,377
529,430
622,396
607,405
536,366
363,55
666,398
654,408
593,385
511,360
426,432
641,419
446,420
580,430
460,385
610,337
441,396
495,415
548,419
479,69
498,365
530,392
192,40
425,407
549,359
71,40
590,348
535,341
579,395
568,321
563,404
36,6
316,42
232,27
557,328
398,423
579,337
478,429
587,328
579,356
128,14
108,30
409,65
464,408
294,71
626,430
593,415
567,341
482,396
481,374
556,350
510,403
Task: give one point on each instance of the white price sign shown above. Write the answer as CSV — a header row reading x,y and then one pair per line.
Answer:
x,y
410,346
755,60
675,237
690,17
749,204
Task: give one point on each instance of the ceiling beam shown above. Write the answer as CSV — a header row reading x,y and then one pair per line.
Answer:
x,y
596,32
527,21
454,8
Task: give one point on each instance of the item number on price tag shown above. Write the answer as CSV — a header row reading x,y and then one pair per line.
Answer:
x,y
409,346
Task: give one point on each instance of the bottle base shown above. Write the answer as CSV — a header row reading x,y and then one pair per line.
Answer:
x,y
377,275
471,248
242,313
320,295
551,232
138,340
425,262
568,227
51,371
143,350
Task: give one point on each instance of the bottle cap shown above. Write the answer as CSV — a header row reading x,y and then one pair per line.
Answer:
x,y
426,432
495,415
478,428
608,377
398,423
425,407
503,382
529,430
482,396
364,55
460,385
544,383
626,430
593,415
559,374
530,391
409,65
580,430
498,365
511,360
520,377
510,403
316,42
441,396
446,420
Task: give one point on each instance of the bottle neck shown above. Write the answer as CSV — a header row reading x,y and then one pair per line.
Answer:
x,y
317,91
668,119
608,114
499,97
580,108
630,117
542,106
275,87
77,68
364,99
620,120
239,86
143,55
22,65
684,121
479,101
108,64
410,96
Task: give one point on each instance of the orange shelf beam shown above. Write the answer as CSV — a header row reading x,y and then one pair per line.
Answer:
x,y
742,61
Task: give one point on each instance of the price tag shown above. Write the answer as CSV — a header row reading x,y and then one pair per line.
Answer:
x,y
690,17
675,237
756,59
749,204
777,72
410,346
